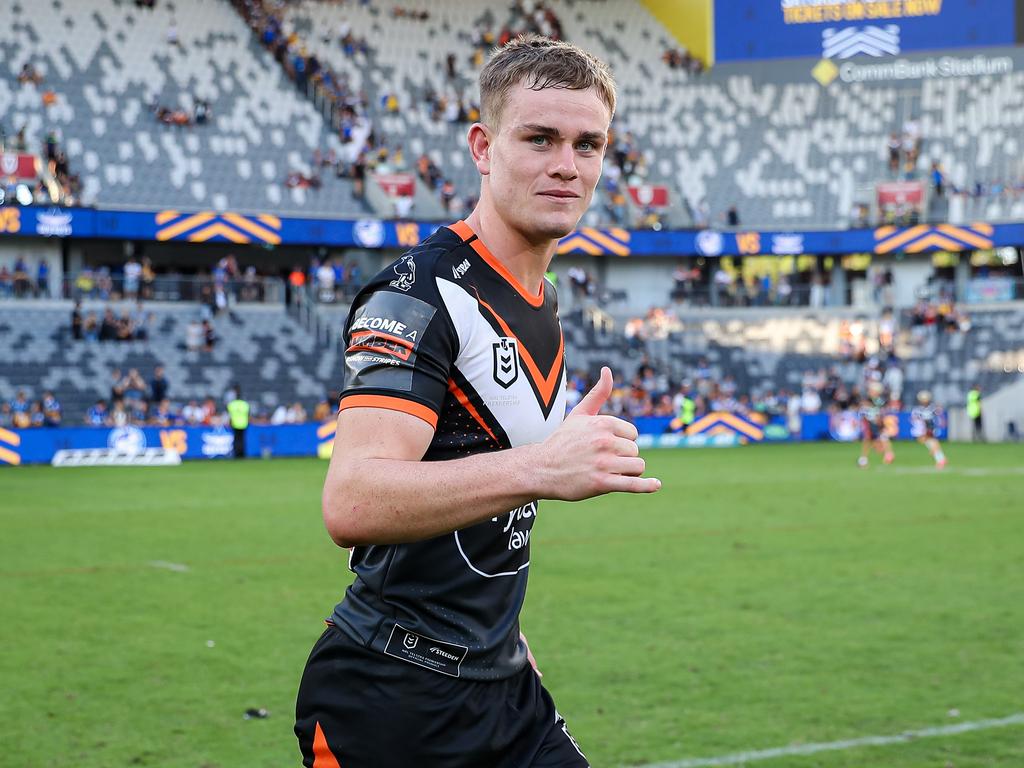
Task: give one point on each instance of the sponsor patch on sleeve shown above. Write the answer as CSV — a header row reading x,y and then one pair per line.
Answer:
x,y
383,339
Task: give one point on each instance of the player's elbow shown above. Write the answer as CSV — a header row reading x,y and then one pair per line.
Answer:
x,y
341,504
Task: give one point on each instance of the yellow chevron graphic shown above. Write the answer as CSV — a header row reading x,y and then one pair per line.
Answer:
x,y
183,225
922,237
718,423
609,243
968,236
218,228
253,228
326,430
7,456
12,438
579,242
208,225
597,242
938,241
740,425
903,237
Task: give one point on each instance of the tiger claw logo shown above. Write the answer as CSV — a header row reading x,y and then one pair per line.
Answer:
x,y
506,361
406,271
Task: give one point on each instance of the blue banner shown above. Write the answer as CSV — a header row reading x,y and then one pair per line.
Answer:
x,y
845,426
38,446
840,29
373,234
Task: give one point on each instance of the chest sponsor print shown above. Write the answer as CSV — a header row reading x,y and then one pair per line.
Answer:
x,y
501,545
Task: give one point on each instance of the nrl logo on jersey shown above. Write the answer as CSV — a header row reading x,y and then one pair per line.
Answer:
x,y
506,361
406,271
459,270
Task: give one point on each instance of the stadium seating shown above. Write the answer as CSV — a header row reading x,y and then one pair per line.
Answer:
x,y
268,353
108,61
787,152
767,350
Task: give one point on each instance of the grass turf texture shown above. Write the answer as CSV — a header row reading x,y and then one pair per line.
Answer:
x,y
767,596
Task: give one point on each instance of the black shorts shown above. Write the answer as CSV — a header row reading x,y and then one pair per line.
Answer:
x,y
357,708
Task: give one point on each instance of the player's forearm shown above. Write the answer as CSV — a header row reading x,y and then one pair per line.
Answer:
x,y
387,501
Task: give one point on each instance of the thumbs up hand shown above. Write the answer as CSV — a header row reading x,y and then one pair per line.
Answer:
x,y
590,455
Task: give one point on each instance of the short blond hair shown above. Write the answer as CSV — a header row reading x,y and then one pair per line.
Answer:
x,y
540,62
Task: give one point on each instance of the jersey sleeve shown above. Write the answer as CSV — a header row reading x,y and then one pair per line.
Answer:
x,y
399,351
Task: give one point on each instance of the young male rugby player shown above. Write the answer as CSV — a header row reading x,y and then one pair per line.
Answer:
x,y
451,428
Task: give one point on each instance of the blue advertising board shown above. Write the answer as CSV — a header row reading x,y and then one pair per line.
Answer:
x,y
840,29
264,229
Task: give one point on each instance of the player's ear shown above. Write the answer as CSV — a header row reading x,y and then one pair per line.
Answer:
x,y
479,138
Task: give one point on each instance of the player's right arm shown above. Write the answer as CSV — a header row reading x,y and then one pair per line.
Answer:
x,y
378,491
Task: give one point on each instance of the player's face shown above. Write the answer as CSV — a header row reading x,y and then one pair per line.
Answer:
x,y
545,158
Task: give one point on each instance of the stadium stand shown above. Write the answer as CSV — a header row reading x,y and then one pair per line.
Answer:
x,y
767,350
112,66
778,147
262,348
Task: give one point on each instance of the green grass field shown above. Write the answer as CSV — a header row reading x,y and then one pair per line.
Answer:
x,y
768,596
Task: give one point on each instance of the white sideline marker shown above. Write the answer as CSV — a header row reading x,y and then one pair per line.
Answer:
x,y
176,567
741,758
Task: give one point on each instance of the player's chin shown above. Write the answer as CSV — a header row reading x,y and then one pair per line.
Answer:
x,y
557,224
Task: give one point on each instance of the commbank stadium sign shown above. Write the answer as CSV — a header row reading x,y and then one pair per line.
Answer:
x,y
925,69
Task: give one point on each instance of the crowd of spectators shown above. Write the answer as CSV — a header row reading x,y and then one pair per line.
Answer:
x,y
133,401
57,185
24,412
20,281
133,325
680,58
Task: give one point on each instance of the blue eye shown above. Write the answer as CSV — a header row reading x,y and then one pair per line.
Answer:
x,y
539,141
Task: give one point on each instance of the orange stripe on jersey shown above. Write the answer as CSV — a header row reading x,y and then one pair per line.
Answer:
x,y
391,404
465,232
464,400
322,755
462,229
546,385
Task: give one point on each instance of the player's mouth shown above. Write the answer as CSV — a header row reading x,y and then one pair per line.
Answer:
x,y
562,196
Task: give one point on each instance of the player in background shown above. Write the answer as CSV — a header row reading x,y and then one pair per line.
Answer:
x,y
924,422
872,416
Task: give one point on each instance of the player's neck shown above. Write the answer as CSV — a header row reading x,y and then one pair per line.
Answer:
x,y
525,260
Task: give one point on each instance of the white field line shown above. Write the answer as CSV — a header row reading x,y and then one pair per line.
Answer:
x,y
965,471
176,567
742,758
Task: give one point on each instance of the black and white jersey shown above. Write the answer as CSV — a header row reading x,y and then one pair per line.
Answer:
x,y
448,335
924,420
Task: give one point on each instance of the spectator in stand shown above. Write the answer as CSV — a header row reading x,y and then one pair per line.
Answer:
x,y
132,274
76,321
135,388
894,145
192,414
194,336
6,282
52,411
108,327
20,409
209,336
732,217
158,385
43,279
22,283
6,417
